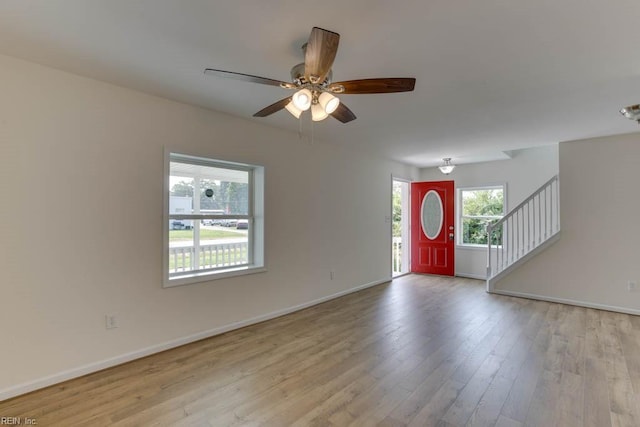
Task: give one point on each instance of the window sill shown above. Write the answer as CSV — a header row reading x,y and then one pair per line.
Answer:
x,y
191,278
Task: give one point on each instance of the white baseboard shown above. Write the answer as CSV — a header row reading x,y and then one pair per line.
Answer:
x,y
472,276
69,374
585,304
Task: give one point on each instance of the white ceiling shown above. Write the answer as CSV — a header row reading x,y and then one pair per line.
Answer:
x,y
492,75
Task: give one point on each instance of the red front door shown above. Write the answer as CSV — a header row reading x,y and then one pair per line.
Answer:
x,y
432,228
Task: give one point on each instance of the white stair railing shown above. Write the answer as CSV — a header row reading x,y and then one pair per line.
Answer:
x,y
524,229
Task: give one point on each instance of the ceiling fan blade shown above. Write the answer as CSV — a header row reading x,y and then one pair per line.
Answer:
x,y
321,51
273,108
249,78
383,85
343,113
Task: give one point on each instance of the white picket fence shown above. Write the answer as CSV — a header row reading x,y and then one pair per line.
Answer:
x,y
184,258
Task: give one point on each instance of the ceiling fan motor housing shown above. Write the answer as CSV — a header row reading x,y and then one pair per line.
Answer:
x,y
297,75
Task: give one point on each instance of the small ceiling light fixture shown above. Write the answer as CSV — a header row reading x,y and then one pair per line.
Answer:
x,y
295,111
318,113
302,99
632,112
447,168
322,104
328,102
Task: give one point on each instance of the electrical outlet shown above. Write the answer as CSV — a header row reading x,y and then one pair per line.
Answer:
x,y
332,274
632,286
111,321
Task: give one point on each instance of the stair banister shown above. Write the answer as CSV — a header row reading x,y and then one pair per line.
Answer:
x,y
523,229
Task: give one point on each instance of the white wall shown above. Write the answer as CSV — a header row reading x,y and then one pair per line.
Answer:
x,y
597,254
81,170
523,174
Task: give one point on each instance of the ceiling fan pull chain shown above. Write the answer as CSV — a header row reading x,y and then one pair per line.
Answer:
x,y
300,134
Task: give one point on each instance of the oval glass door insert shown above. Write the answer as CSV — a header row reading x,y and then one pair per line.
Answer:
x,y
431,215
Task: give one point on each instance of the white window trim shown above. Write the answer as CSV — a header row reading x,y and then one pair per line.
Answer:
x,y
256,255
459,190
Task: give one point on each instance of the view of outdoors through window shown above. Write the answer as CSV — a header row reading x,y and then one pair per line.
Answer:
x,y
209,217
397,209
480,207
400,227
396,226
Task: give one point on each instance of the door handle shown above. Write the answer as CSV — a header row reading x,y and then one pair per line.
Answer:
x,y
450,236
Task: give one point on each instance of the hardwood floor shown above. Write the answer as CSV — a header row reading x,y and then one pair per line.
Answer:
x,y
418,351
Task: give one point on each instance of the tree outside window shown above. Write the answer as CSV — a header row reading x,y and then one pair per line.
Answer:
x,y
397,210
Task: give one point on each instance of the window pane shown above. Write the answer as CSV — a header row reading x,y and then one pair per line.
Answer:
x,y
181,186
219,190
209,247
180,200
474,232
488,202
234,197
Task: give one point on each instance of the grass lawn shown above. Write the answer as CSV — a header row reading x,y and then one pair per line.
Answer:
x,y
205,234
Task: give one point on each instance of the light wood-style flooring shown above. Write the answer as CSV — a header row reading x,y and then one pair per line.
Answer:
x,y
418,351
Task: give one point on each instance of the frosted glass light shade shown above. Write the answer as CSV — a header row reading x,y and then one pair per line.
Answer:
x,y
295,111
302,99
318,113
447,168
328,102
631,112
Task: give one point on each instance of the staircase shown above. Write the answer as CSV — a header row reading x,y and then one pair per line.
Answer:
x,y
528,229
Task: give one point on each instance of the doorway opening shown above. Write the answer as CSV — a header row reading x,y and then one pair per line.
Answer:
x,y
400,249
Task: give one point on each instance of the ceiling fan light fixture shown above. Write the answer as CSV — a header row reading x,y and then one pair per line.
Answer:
x,y
447,167
302,99
631,112
328,102
318,113
295,111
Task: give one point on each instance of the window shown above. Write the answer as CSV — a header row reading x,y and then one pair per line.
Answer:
x,y
479,207
214,222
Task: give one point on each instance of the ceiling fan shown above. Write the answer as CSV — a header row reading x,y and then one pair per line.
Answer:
x,y
312,81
